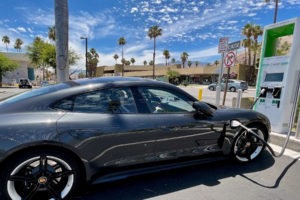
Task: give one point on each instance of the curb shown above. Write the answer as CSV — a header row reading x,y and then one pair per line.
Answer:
x,y
279,139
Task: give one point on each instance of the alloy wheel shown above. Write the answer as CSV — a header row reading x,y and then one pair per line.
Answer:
x,y
44,176
247,147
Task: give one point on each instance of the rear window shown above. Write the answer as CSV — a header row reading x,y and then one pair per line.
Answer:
x,y
35,93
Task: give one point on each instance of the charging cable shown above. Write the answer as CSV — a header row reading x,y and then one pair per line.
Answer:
x,y
292,117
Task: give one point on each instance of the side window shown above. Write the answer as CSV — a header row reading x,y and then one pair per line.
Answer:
x,y
115,100
65,104
160,100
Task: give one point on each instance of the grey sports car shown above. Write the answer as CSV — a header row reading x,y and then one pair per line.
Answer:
x,y
58,137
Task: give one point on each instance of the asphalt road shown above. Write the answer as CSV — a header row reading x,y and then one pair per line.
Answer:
x,y
264,178
10,91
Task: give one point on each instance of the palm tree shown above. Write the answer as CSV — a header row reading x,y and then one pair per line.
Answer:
x,y
18,44
244,44
51,33
62,42
196,63
93,59
173,61
154,32
132,60
166,53
276,9
216,62
116,58
184,56
145,62
6,41
127,62
151,62
190,64
257,31
122,42
123,61
248,32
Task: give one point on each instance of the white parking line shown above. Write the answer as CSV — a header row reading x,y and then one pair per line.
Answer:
x,y
288,152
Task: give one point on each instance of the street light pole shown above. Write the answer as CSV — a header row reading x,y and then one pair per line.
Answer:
x,y
86,51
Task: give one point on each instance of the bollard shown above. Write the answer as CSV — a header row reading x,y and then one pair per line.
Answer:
x,y
297,136
200,94
218,94
239,98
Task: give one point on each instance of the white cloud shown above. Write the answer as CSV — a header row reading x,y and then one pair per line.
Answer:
x,y
251,14
29,30
22,29
13,30
133,10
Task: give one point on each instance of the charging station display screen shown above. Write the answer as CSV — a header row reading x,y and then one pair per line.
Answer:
x,y
274,77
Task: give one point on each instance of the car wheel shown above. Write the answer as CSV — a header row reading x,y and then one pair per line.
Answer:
x,y
246,146
232,89
44,174
211,88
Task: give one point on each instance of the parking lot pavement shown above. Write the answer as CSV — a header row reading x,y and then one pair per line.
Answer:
x,y
10,91
264,178
210,96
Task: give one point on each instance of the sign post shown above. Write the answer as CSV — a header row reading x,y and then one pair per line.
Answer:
x,y
229,61
223,44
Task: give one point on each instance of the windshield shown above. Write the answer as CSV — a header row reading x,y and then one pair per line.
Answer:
x,y
34,93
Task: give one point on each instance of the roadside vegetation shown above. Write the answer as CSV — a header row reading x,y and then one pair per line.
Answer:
x,y
6,65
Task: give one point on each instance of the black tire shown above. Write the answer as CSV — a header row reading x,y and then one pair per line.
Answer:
x,y
211,88
243,153
232,89
61,176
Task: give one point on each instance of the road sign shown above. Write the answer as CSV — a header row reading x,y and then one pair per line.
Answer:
x,y
234,46
229,59
223,43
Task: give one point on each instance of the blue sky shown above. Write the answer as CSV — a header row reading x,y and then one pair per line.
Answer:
x,y
188,25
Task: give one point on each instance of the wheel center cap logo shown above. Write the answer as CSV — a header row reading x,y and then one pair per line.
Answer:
x,y
42,180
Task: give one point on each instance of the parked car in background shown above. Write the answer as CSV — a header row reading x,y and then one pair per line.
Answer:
x,y
233,85
24,83
45,83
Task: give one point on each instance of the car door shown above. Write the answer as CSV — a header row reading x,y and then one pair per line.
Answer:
x,y
106,128
178,132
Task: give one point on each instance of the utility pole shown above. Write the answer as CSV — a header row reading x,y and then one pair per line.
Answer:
x,y
62,39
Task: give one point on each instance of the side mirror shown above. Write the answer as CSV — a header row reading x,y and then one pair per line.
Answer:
x,y
235,123
203,108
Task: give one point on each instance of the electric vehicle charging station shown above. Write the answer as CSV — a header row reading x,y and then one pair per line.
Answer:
x,y
278,76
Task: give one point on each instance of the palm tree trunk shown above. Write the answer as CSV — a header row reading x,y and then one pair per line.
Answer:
x,y
62,39
154,60
249,52
6,47
122,62
255,51
276,10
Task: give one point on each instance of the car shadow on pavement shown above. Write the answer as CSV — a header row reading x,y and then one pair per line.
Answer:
x,y
155,184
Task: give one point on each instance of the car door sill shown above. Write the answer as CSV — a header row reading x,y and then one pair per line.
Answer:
x,y
174,164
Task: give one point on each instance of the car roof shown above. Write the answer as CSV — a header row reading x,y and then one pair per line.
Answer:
x,y
110,79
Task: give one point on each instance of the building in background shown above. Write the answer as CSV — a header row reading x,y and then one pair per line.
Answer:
x,y
25,71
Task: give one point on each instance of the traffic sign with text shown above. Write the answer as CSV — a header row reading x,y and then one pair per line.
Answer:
x,y
223,43
234,46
